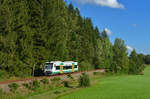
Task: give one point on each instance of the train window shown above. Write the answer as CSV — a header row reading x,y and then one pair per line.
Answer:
x,y
48,65
57,67
64,67
70,67
75,66
67,67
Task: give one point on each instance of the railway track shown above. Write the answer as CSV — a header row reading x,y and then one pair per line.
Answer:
x,y
41,77
4,84
32,78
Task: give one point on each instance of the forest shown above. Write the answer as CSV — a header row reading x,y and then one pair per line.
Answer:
x,y
33,32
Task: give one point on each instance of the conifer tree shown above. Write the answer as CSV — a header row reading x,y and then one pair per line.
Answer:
x,y
107,53
136,63
120,58
33,32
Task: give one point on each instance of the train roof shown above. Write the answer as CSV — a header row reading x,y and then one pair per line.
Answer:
x,y
68,61
56,61
61,62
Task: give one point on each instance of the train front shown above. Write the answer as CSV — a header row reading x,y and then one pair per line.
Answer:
x,y
48,68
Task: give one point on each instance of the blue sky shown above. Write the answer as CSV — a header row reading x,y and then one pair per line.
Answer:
x,y
126,19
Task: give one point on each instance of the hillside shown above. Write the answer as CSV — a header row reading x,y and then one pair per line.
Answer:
x,y
33,32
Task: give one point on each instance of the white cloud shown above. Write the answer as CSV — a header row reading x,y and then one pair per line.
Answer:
x,y
108,3
108,31
129,48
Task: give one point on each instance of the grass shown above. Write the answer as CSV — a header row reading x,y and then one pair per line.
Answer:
x,y
53,93
116,87
49,94
103,86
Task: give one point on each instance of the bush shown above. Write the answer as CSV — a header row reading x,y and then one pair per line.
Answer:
x,y
35,84
70,76
98,73
84,80
95,73
56,79
13,87
57,92
66,83
26,85
45,81
56,82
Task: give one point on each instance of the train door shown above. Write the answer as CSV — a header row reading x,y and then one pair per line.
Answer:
x,y
72,67
61,68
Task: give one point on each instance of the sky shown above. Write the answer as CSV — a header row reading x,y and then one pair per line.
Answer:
x,y
125,19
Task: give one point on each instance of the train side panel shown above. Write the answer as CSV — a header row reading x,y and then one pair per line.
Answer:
x,y
64,67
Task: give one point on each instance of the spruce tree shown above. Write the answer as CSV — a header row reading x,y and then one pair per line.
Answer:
x,y
120,58
107,54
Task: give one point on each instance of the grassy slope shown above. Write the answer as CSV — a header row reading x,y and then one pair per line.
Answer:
x,y
117,87
63,90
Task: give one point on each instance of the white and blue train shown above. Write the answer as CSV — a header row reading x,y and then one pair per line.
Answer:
x,y
59,67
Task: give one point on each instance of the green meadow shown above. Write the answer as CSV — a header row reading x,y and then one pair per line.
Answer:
x,y
116,87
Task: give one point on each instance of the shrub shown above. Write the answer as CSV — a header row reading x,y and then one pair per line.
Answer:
x,y
56,82
95,73
13,87
26,85
56,79
98,73
45,81
66,83
70,76
84,80
35,84
57,92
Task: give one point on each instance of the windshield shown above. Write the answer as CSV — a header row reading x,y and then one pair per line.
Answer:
x,y
48,65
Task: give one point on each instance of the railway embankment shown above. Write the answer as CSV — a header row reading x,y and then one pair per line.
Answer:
x,y
4,85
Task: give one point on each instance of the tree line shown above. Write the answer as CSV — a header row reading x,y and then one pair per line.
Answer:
x,y
33,32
